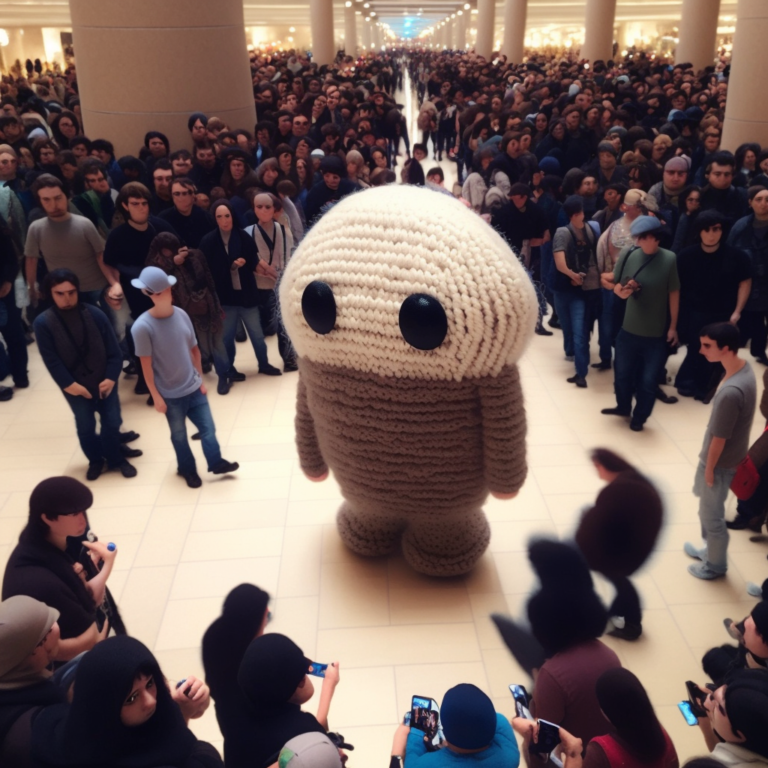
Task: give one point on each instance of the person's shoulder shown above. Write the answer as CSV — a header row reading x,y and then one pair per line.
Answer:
x,y
161,225
168,214
96,313
181,316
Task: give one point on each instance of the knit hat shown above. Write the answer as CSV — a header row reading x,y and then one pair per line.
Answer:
x,y
573,205
60,496
154,280
606,146
519,189
395,286
309,750
468,717
333,164
760,617
676,116
746,705
644,224
635,196
24,622
619,130
271,669
549,164
678,163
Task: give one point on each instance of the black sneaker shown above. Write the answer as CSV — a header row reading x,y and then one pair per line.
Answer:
x,y
290,367
6,393
126,469
224,466
579,381
235,375
130,369
21,383
129,437
150,400
196,436
141,388
193,479
207,367
615,412
636,426
627,632
602,366
270,370
131,453
542,331
223,386
95,468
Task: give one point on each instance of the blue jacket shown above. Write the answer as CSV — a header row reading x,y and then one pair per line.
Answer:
x,y
742,235
502,753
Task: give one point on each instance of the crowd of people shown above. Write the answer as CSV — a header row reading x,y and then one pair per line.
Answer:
x,y
609,183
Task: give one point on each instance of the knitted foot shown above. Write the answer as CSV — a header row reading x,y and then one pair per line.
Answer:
x,y
447,548
365,534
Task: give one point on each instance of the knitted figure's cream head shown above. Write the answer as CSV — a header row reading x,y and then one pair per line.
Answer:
x,y
407,282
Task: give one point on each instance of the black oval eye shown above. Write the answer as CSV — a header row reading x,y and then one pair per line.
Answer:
x,y
423,322
319,307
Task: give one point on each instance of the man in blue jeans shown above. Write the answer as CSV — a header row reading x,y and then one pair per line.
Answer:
x,y
726,442
645,277
80,351
165,343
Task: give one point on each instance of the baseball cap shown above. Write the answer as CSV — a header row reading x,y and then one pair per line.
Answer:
x,y
644,224
309,750
153,280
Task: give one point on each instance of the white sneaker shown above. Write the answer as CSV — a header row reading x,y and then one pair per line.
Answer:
x,y
754,589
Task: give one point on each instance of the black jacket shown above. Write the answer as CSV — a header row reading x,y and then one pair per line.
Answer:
x,y
241,245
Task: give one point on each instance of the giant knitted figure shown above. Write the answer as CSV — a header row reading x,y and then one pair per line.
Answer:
x,y
408,313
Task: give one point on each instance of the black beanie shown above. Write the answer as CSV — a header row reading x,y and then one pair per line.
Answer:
x,y
760,617
468,717
573,205
333,164
746,705
56,496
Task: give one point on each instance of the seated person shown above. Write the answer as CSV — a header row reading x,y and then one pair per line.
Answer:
x,y
41,566
752,651
634,735
736,726
243,618
474,733
29,637
273,677
124,713
310,749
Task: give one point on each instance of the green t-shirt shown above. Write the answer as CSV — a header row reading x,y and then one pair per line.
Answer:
x,y
646,313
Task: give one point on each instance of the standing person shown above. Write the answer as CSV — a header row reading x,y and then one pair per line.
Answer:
x,y
13,327
170,358
646,278
274,244
233,257
715,283
618,534
195,293
190,222
577,287
333,187
80,351
66,240
725,444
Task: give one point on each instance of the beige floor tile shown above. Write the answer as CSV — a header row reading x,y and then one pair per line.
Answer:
x,y
215,578
296,617
515,572
233,488
702,625
443,605
119,521
528,505
365,696
232,545
482,608
433,680
164,537
143,602
370,742
185,621
10,528
678,586
300,561
502,671
514,536
312,512
354,595
231,515
403,644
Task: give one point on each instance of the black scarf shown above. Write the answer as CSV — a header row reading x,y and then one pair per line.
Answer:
x,y
89,732
80,345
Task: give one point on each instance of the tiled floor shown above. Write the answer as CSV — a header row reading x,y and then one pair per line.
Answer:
x,y
394,632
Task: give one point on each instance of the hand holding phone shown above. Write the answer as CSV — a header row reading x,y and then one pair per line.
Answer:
x,y
696,698
425,716
522,701
547,739
687,712
317,669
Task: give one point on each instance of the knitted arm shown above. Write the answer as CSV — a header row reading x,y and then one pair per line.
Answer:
x,y
503,417
311,459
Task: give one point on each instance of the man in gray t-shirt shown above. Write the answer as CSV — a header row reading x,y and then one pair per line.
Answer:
x,y
66,240
170,359
726,442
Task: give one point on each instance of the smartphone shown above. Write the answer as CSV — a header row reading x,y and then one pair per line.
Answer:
x,y
317,669
696,698
685,708
549,738
425,716
522,701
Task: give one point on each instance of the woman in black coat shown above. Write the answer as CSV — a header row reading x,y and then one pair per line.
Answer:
x,y
618,534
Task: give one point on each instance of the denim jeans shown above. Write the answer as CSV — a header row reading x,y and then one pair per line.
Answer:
x,y
212,350
605,325
194,406
252,321
573,309
712,514
105,445
638,366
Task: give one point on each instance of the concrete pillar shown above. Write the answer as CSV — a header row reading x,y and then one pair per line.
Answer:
x,y
513,44
321,20
462,22
366,35
698,32
486,11
350,29
165,81
746,117
376,35
598,34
